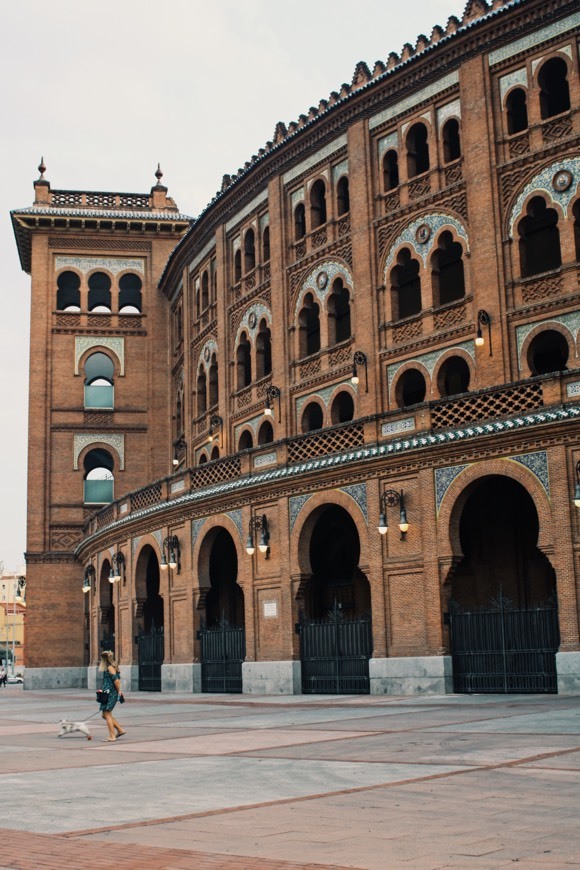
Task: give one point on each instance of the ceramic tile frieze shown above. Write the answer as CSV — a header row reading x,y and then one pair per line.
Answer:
x,y
319,282
449,110
317,157
296,503
86,342
358,492
542,183
247,210
205,251
117,442
323,394
114,265
209,348
565,25
386,143
236,518
250,322
264,459
158,535
517,77
537,463
339,170
432,90
409,236
135,544
253,423
195,530
444,477
430,360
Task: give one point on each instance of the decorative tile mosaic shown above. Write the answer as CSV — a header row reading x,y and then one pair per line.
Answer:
x,y
430,360
573,389
86,342
322,173
124,507
114,265
264,222
117,442
444,477
253,423
236,518
158,535
432,90
253,205
296,503
339,170
449,110
323,394
253,315
209,348
542,182
358,492
236,244
426,116
195,530
313,284
135,544
406,425
537,463
205,252
177,486
435,221
570,321
387,142
314,159
265,459
566,49
517,77
535,38
297,196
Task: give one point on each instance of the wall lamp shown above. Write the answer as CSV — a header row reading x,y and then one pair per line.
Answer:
x,y
273,394
258,524
171,556
179,448
483,319
89,573
577,487
215,423
359,359
117,568
21,590
391,498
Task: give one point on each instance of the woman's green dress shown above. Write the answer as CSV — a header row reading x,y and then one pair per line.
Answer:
x,y
109,684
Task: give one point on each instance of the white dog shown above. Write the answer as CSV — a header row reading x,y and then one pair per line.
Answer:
x,y
67,727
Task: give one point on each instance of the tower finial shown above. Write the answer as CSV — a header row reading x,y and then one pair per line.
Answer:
x,y
41,169
158,174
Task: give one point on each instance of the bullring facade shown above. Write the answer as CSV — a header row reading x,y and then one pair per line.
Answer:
x,y
324,437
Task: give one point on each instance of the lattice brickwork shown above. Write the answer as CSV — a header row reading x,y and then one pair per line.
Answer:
x,y
105,516
66,198
340,356
519,145
543,287
134,200
250,282
300,250
146,497
344,227
309,369
331,441
244,399
101,200
407,332
453,174
70,320
392,201
500,403
420,188
97,321
215,472
449,317
557,129
320,238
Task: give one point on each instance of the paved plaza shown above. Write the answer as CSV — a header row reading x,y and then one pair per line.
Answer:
x,y
289,783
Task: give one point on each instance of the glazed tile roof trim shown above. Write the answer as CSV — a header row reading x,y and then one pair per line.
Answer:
x,y
391,448
101,213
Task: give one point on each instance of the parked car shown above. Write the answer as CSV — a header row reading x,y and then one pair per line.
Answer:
x,y
14,678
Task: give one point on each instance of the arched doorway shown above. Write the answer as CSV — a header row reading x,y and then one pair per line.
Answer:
x,y
150,621
503,616
335,625
222,633
106,632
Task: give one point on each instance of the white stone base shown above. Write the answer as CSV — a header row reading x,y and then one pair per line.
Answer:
x,y
94,677
55,678
568,670
416,675
129,678
271,678
181,678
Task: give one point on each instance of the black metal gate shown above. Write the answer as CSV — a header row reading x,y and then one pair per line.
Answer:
x,y
223,649
502,648
150,660
335,654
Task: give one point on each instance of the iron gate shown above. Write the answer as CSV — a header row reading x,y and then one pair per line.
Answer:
x,y
150,660
502,649
223,649
335,654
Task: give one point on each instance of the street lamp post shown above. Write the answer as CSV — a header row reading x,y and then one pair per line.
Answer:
x,y
18,597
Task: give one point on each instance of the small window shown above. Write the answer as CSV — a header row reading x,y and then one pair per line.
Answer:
x,y
215,453
237,266
204,290
299,222
213,381
448,277
539,239
451,141
246,441
309,327
100,293
99,479
99,379
130,294
342,196
244,362
68,294
266,244
265,433
263,351
201,391
312,417
202,459
454,377
411,388
417,150
390,170
517,111
342,410
548,352
249,251
317,204
405,286
554,88
339,327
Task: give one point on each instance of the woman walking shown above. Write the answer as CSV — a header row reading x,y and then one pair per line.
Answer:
x,y
112,685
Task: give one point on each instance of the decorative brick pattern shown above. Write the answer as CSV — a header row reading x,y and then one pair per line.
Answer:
x,y
487,406
450,317
328,441
407,331
214,472
146,497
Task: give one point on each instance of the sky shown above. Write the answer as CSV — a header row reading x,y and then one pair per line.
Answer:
x,y
105,91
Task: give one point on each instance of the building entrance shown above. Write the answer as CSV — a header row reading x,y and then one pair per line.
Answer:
x,y
150,638
503,616
335,627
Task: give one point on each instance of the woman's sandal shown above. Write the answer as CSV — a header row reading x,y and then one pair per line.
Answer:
x,y
120,734
110,740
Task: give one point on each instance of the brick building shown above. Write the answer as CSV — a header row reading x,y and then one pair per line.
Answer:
x,y
325,436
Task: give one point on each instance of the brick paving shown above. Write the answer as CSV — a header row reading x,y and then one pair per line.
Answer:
x,y
242,783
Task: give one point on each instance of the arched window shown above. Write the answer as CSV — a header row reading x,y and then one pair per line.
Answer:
x,y
299,222
213,281
317,204
99,479
213,381
451,141
312,417
68,294
99,379
454,376
265,433
309,327
411,388
517,111
405,286
576,212
342,409
539,239
201,391
447,275
249,251
342,196
554,88
179,414
204,291
202,459
339,328
237,266
417,150
246,441
390,170
548,352
266,244
100,293
244,362
263,351
215,453
130,294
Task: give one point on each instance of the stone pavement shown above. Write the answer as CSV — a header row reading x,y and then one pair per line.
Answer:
x,y
289,783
